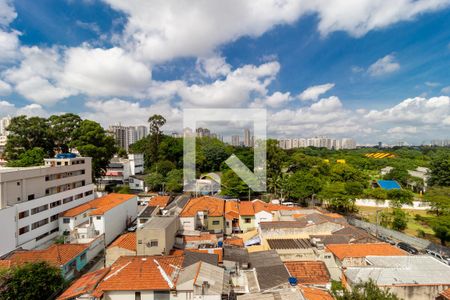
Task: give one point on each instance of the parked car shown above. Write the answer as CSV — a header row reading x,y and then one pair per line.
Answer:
x,y
387,240
408,248
443,258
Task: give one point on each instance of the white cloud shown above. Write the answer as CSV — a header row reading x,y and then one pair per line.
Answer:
x,y
9,109
37,74
9,44
432,84
7,12
213,66
5,88
275,100
403,130
313,93
417,111
238,87
161,30
104,72
384,65
446,90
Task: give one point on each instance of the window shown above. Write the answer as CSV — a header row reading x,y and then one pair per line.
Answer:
x,y
54,218
31,197
137,296
47,178
143,220
47,191
84,215
98,217
67,200
18,198
88,193
39,223
42,236
58,163
154,243
18,182
66,220
54,230
24,230
24,214
140,242
55,204
215,222
247,220
39,209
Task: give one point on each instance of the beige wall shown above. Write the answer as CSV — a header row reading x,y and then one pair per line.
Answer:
x,y
113,253
164,236
220,226
418,292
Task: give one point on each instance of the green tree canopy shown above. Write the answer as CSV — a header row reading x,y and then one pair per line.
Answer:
x,y
26,133
232,185
441,228
400,197
32,281
91,140
399,219
336,196
155,181
440,170
33,157
365,291
439,199
399,174
62,128
174,180
303,185
155,123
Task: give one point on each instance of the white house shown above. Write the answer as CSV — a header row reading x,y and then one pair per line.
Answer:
x,y
109,215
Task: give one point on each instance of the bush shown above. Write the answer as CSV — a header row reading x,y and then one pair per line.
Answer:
x,y
420,233
399,220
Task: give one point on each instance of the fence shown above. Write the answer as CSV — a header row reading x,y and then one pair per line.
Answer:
x,y
419,205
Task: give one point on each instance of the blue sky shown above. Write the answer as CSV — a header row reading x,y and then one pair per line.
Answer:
x,y
361,69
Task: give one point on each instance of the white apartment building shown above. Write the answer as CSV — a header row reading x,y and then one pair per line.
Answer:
x,y
127,135
319,142
120,169
32,198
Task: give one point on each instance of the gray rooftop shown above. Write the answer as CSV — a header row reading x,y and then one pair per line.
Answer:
x,y
401,270
285,294
147,212
191,258
270,270
200,273
160,222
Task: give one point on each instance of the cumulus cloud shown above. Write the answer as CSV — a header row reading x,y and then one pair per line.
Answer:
x,y
9,41
213,66
384,65
403,130
446,90
274,100
5,88
7,12
313,93
9,109
104,72
36,76
161,30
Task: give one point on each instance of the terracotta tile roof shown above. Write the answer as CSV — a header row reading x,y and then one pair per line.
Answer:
x,y
315,294
57,254
445,294
126,241
5,264
235,241
177,252
214,206
204,236
160,201
231,210
84,285
334,215
308,272
259,205
138,273
100,205
246,208
342,251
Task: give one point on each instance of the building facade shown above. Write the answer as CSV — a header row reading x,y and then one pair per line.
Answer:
x,y
31,199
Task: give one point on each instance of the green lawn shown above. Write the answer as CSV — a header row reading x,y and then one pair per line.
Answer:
x,y
369,213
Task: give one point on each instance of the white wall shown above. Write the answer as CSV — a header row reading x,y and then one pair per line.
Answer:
x,y
386,203
187,223
263,216
115,219
8,230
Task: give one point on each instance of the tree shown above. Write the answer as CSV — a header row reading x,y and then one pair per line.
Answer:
x,y
154,181
302,185
26,133
440,170
163,167
232,185
91,140
441,228
438,197
400,197
401,175
365,291
62,128
31,281
32,157
377,193
399,219
155,123
122,153
174,181
354,189
336,196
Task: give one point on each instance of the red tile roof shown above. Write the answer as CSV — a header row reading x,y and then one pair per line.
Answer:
x,y
100,205
235,241
138,273
445,294
160,201
5,264
342,251
231,210
57,254
84,285
126,241
204,236
218,251
214,206
308,272
246,208
315,294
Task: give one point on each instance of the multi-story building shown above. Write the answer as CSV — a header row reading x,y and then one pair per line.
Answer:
x,y
120,169
127,135
319,142
235,140
141,132
4,123
247,138
32,198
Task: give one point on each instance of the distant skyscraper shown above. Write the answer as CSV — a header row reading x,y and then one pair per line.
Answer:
x,y
247,138
319,142
235,140
141,132
203,132
127,135
4,123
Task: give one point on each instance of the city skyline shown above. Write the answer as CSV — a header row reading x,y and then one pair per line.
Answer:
x,y
320,69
